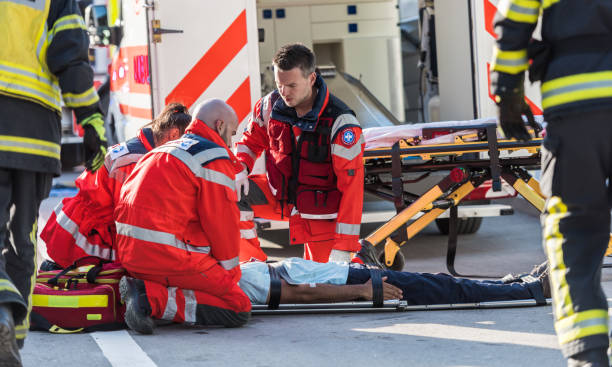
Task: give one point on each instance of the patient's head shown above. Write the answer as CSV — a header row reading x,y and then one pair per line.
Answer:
x,y
219,116
170,124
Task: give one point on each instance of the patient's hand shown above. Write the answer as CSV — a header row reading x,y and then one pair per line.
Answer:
x,y
389,290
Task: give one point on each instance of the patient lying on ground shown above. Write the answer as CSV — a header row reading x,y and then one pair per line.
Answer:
x,y
304,281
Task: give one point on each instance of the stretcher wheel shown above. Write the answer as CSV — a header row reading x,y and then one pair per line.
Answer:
x,y
398,262
464,225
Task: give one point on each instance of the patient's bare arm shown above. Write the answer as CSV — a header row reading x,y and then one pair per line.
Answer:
x,y
324,293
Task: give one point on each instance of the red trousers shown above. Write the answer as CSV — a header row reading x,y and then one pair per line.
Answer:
x,y
316,235
176,297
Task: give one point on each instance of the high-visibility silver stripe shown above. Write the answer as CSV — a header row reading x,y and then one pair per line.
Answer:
x,y
246,215
118,175
248,234
348,229
35,4
171,308
524,10
511,62
241,148
347,153
89,97
341,121
125,160
55,149
230,264
209,154
190,306
577,87
71,227
52,100
41,42
27,74
204,173
583,324
162,238
319,216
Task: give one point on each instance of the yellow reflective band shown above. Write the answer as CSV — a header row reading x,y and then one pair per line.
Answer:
x,y
86,98
29,146
58,330
548,3
521,11
553,240
41,300
94,316
73,21
6,285
577,87
582,324
511,62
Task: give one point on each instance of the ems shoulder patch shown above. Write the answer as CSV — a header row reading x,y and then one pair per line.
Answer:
x,y
348,137
186,143
118,150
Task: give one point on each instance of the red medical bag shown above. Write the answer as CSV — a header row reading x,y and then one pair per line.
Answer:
x,y
82,297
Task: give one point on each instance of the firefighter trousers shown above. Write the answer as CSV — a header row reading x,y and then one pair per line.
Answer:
x,y
21,193
576,173
316,235
209,297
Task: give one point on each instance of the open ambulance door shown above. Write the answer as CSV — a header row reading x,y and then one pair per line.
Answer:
x,y
204,49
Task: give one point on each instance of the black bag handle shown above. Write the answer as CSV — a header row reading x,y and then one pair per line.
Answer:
x,y
87,260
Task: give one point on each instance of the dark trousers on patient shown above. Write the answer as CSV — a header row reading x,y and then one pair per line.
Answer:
x,y
428,289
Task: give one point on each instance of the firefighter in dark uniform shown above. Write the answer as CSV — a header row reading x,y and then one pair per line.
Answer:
x,y
43,60
574,64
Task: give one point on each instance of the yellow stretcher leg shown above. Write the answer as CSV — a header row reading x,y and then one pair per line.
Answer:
x,y
404,216
609,250
391,249
530,194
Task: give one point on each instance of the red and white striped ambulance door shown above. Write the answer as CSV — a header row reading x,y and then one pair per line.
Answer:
x,y
484,37
215,56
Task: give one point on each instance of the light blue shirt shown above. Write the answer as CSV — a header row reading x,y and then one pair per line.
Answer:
x,y
255,280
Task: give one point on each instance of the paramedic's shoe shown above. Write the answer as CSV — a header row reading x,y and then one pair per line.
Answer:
x,y
539,270
137,308
9,351
544,279
367,255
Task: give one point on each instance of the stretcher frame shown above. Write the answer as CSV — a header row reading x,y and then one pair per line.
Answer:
x,y
465,175
388,306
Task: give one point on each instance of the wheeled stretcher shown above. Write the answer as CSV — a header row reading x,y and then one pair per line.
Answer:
x,y
467,153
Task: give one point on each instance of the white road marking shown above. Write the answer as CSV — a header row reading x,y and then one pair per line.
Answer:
x,y
121,350
474,334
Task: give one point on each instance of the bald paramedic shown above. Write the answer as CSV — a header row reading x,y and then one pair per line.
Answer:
x,y
177,229
72,232
313,147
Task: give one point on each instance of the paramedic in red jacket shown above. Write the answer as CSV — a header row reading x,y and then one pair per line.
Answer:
x,y
83,225
177,229
314,163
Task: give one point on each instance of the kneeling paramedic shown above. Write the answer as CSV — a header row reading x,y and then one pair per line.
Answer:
x,y
83,225
314,163
177,229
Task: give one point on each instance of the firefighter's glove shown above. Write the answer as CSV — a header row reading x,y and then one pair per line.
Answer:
x,y
511,107
94,142
242,183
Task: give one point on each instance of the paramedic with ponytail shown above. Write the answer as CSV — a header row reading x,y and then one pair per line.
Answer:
x,y
83,225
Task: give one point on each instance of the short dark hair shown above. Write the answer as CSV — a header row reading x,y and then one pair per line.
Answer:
x,y
295,55
174,115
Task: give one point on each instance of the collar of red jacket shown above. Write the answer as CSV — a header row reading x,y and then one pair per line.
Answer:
x,y
146,137
200,128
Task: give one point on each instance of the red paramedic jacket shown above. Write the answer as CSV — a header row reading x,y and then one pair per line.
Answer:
x,y
177,211
83,225
265,133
